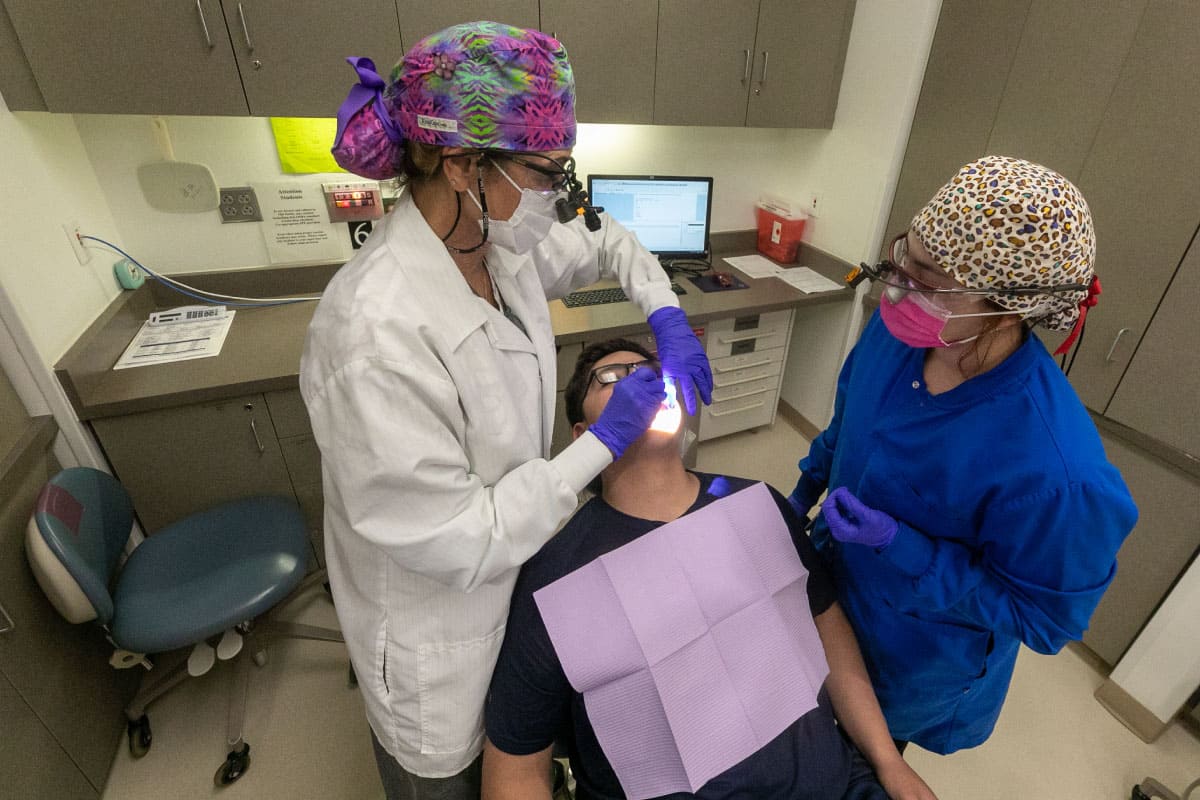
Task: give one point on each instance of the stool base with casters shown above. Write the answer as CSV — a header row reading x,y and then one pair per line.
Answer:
x,y
1150,788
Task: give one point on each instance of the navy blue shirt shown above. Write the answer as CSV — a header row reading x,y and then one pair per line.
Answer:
x,y
531,704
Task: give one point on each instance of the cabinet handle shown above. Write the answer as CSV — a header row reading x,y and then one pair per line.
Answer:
x,y
1120,333
246,30
257,441
745,64
204,24
743,366
762,78
751,379
755,335
7,625
735,410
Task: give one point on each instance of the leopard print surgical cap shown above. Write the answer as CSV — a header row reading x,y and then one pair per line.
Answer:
x,y
1003,222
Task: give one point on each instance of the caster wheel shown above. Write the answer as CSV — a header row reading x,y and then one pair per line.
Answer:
x,y
140,737
260,658
236,764
1138,794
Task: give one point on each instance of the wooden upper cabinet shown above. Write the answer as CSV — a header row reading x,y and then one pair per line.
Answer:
x,y
1140,181
130,56
419,18
799,53
611,44
292,56
705,53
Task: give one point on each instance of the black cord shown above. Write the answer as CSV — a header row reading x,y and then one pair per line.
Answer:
x,y
1075,350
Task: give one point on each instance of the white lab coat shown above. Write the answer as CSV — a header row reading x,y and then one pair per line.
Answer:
x,y
433,414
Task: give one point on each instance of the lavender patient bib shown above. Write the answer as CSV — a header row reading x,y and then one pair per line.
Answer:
x,y
693,646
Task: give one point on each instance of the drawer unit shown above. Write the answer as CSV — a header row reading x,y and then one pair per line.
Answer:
x,y
744,388
738,413
751,333
737,370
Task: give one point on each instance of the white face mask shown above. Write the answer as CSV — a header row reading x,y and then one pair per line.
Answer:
x,y
530,222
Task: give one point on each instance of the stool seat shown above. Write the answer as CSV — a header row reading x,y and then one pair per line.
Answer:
x,y
209,572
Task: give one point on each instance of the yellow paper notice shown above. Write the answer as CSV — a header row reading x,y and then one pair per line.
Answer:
x,y
304,142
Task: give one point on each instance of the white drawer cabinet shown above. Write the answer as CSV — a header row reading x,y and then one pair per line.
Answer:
x,y
747,354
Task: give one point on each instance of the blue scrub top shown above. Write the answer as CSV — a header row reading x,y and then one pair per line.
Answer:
x,y
1010,520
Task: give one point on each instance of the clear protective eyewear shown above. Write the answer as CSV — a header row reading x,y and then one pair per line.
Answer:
x,y
611,373
894,272
555,178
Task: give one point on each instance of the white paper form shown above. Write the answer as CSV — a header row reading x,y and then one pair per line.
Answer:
x,y
296,224
755,266
175,341
807,281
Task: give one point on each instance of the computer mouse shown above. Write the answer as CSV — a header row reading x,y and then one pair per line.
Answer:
x,y
724,279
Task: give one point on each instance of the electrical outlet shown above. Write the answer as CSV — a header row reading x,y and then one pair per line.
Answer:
x,y
239,204
816,204
71,228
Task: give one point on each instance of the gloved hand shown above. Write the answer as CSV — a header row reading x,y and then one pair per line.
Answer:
x,y
631,408
852,522
681,355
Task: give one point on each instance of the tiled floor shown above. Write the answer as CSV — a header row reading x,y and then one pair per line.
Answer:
x,y
310,740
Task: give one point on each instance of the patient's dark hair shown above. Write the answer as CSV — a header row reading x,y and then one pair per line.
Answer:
x,y
578,385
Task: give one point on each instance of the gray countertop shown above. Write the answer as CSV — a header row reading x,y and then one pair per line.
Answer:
x,y
262,351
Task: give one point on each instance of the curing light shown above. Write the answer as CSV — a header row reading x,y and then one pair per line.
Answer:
x,y
669,414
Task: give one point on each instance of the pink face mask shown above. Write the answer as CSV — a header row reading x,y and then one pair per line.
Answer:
x,y
918,321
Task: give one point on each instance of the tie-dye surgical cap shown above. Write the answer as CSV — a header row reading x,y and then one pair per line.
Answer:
x,y
480,84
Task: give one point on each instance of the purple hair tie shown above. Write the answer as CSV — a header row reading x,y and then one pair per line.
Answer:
x,y
369,89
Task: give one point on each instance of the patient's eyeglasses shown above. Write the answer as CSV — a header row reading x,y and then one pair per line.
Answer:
x,y
611,373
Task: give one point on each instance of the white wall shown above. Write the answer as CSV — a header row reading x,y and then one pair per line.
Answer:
x,y
854,167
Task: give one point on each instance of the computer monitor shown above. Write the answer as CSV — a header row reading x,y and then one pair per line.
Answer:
x,y
669,214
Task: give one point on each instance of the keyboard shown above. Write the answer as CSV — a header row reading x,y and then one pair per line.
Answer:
x,y
599,297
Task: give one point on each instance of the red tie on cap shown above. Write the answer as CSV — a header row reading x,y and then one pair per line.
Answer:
x,y
1084,305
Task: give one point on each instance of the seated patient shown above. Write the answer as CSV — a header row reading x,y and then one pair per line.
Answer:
x,y
532,703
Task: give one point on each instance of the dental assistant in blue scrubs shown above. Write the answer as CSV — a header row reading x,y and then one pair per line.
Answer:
x,y
971,507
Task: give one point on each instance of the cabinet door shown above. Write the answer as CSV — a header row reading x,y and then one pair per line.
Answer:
x,y
611,45
1158,393
1166,537
799,53
292,56
32,763
1065,114
974,44
60,671
705,54
1140,181
130,56
418,19
177,461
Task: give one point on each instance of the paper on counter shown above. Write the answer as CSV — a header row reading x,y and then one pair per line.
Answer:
x,y
175,341
807,281
755,266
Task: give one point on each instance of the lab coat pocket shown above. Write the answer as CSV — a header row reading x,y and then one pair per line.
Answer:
x,y
452,683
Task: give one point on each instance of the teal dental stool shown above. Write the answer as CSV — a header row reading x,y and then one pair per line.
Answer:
x,y
221,572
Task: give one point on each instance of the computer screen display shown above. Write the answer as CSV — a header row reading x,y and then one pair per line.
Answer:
x,y
669,214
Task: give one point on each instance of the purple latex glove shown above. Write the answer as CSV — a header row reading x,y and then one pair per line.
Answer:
x,y
852,522
631,408
681,355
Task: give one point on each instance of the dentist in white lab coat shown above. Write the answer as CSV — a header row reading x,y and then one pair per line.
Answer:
x,y
429,377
